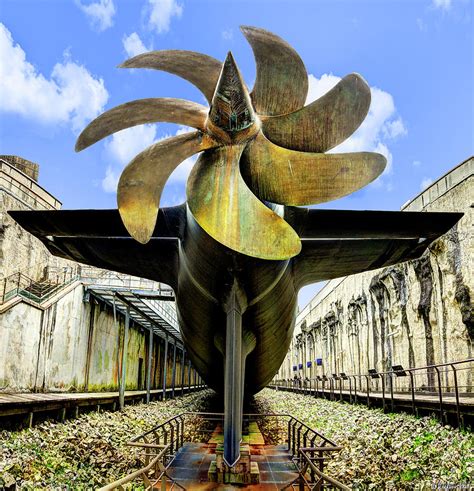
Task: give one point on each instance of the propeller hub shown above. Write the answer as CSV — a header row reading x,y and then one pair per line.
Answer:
x,y
232,118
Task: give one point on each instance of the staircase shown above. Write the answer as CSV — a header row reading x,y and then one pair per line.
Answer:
x,y
55,281
21,286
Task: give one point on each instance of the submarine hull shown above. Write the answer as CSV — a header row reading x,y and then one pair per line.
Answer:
x,y
268,297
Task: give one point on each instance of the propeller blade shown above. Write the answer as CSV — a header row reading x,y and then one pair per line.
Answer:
x,y
294,178
142,181
226,209
281,85
324,123
142,111
199,69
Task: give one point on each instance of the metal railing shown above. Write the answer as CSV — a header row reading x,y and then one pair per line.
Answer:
x,y
20,284
54,278
152,474
92,275
439,383
311,473
308,449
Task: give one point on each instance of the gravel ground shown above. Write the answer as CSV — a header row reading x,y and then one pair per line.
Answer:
x,y
381,451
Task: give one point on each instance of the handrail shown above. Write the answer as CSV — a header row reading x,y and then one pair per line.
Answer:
x,y
307,462
156,463
438,365
19,283
22,285
245,416
448,371
171,434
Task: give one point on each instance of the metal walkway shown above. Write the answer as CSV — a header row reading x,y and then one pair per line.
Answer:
x,y
146,307
146,303
61,405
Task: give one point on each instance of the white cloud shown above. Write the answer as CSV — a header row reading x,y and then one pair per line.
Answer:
x,y
227,34
442,4
416,163
71,95
161,12
425,182
110,181
133,45
394,128
380,127
100,13
421,24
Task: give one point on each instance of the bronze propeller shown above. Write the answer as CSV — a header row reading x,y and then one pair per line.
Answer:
x,y
256,148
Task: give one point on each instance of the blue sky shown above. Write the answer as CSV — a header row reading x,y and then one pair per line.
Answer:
x,y
58,71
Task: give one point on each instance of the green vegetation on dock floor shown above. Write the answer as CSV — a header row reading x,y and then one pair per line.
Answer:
x,y
86,452
381,451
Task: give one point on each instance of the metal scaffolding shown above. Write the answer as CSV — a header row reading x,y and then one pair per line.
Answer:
x,y
151,309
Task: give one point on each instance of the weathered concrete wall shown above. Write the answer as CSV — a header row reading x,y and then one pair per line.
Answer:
x,y
414,314
76,345
31,169
65,343
19,250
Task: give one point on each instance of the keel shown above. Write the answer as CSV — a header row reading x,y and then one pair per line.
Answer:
x,y
234,376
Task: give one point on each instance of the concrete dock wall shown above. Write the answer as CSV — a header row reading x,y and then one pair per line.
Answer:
x,y
414,314
75,345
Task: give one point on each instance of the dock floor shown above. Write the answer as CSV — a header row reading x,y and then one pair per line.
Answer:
x,y
191,464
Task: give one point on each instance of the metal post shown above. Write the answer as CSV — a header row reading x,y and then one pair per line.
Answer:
x,y
368,390
189,376
182,370
382,377
355,388
173,379
456,391
148,368
412,387
440,394
391,389
165,366
123,371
